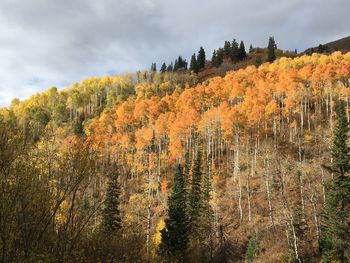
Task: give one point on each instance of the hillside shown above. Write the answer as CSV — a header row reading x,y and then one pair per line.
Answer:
x,y
342,45
95,172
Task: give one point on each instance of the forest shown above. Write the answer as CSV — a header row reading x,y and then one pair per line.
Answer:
x,y
170,166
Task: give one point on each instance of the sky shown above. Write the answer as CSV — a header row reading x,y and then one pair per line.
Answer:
x,y
45,43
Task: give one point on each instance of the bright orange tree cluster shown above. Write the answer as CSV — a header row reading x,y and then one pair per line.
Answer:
x,y
289,94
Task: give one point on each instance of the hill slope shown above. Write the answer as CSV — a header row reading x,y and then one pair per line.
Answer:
x,y
342,45
263,134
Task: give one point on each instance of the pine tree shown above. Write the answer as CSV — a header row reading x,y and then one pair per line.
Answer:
x,y
335,239
111,221
242,54
250,49
163,68
176,65
214,59
201,58
207,223
154,67
170,67
193,64
271,48
195,196
227,49
219,57
175,235
234,51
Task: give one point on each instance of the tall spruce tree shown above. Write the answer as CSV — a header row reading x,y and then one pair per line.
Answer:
x,y
250,49
271,48
193,64
234,51
242,54
219,57
335,239
207,222
195,196
214,59
201,58
170,67
227,49
175,235
163,68
111,221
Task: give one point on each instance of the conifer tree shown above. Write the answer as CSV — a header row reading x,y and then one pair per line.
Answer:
x,y
242,54
335,239
170,67
207,223
154,67
193,64
163,68
214,59
201,58
176,65
219,57
250,49
196,197
234,51
111,221
175,235
227,49
271,48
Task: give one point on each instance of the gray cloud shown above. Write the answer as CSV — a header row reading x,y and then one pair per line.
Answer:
x,y
53,43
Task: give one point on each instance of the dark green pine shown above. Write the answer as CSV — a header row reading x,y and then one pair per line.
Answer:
x,y
335,238
174,242
111,221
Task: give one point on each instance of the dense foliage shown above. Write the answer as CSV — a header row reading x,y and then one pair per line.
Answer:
x,y
255,141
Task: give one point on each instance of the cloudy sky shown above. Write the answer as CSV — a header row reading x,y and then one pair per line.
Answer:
x,y
46,43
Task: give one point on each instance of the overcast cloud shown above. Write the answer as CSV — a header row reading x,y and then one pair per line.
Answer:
x,y
46,43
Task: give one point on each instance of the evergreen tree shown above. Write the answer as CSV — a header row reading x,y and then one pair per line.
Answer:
x,y
78,126
271,48
234,51
175,235
163,68
176,65
219,57
195,196
214,59
193,64
227,49
242,54
111,221
335,239
250,49
201,58
154,67
170,67
208,218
